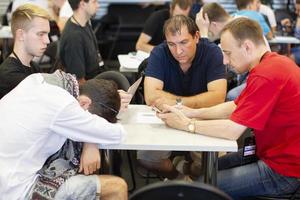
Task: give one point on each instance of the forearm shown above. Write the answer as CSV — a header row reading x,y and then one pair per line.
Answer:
x,y
220,111
144,47
225,129
152,96
206,99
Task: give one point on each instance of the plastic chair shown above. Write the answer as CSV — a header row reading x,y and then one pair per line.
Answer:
x,y
179,190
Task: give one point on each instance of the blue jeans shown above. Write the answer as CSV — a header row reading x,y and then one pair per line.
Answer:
x,y
252,179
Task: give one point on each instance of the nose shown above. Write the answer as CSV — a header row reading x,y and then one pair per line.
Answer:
x,y
46,39
225,59
178,49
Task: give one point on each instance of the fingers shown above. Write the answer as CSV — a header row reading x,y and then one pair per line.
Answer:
x,y
125,99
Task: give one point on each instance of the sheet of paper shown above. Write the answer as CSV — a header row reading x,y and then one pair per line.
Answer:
x,y
148,118
132,89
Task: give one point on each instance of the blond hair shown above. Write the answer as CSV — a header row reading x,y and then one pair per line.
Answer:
x,y
243,28
24,14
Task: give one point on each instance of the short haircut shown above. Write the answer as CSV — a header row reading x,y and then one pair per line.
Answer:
x,y
75,3
243,28
105,98
175,23
183,4
215,12
242,4
24,14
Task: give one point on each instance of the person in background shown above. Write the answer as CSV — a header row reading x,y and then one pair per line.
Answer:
x,y
188,70
269,13
270,105
30,28
248,8
78,47
152,33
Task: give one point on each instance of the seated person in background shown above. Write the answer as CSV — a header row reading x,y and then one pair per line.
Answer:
x,y
30,28
269,13
211,20
152,34
185,68
248,8
271,112
62,112
295,51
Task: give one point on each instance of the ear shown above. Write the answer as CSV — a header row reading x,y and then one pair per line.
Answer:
x,y
84,101
20,34
248,46
197,36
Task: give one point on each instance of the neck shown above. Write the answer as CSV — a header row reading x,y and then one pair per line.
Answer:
x,y
80,18
259,53
185,67
24,57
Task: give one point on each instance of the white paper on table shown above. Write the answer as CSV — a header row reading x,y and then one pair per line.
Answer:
x,y
132,61
148,118
132,89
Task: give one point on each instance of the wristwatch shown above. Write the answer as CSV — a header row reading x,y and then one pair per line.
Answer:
x,y
178,101
191,126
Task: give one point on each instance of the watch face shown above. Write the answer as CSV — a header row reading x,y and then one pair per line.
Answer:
x,y
191,127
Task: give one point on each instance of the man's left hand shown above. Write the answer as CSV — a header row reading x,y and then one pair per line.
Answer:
x,y
125,99
90,159
174,118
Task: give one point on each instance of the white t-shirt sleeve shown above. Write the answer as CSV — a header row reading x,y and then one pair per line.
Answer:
x,y
266,10
79,125
66,10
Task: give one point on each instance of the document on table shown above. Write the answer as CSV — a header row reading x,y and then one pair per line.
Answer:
x,y
132,61
132,89
148,118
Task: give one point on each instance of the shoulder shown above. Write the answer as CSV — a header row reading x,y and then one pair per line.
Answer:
x,y
208,47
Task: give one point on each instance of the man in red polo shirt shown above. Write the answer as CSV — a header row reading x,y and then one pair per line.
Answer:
x,y
270,105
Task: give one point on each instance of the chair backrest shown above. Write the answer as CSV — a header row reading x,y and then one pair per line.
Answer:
x,y
179,190
117,77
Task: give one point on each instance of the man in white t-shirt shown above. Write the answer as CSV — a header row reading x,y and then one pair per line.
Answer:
x,y
37,119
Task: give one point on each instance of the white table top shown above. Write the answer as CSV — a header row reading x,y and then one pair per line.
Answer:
x,y
156,136
284,40
5,32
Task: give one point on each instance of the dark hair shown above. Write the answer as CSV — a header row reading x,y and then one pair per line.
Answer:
x,y
242,4
243,28
105,98
75,3
297,1
175,23
215,12
183,4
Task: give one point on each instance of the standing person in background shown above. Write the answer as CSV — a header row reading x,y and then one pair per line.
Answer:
x,y
152,33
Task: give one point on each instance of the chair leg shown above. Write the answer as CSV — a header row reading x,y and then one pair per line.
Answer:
x,y
131,171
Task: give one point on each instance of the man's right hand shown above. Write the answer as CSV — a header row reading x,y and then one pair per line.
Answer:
x,y
202,22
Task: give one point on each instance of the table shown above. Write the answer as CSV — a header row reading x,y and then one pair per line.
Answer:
x,y
154,135
284,40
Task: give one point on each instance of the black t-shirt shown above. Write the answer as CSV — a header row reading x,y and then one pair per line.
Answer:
x,y
12,72
79,51
154,26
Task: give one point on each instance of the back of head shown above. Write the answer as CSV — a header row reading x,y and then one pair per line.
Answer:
x,y
243,28
183,4
105,98
174,25
24,14
215,12
75,3
242,4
